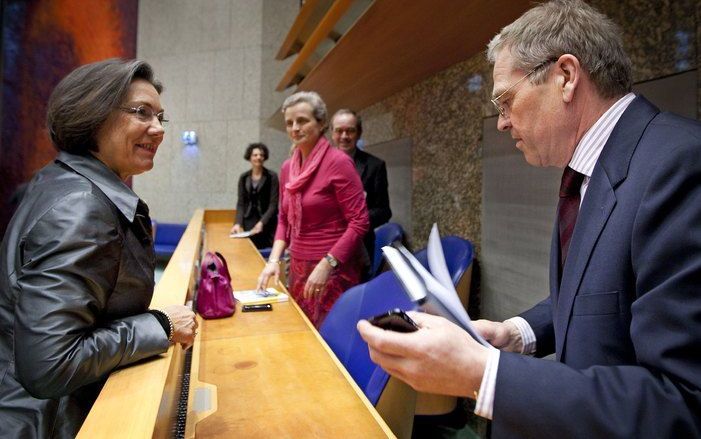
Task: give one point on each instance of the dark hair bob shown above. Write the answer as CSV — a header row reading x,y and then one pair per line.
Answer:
x,y
84,99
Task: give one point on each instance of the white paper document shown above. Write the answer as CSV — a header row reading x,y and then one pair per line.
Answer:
x,y
433,291
240,234
255,297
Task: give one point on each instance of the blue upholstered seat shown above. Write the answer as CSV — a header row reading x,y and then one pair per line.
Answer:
x,y
458,256
265,252
377,296
384,235
167,238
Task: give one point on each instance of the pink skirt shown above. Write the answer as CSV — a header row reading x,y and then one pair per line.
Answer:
x,y
342,278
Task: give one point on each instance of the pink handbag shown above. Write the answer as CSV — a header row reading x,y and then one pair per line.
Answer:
x,y
215,298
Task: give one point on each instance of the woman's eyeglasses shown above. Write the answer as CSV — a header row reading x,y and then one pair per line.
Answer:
x,y
145,114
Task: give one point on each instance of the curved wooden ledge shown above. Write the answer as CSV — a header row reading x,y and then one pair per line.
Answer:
x,y
138,401
252,374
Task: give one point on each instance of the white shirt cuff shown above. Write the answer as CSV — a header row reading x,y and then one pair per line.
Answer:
x,y
485,398
527,334
484,405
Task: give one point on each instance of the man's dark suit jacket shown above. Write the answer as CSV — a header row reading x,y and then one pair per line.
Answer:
x,y
373,174
625,323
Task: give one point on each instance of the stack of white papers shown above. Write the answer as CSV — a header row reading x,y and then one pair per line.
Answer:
x,y
240,234
433,291
255,297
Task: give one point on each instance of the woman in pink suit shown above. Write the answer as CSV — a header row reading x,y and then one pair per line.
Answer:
x,y
323,215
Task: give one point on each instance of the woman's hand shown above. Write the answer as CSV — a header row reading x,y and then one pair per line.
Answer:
x,y
184,324
236,229
271,269
316,282
257,228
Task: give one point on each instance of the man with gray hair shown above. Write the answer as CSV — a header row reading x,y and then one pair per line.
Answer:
x,y
624,312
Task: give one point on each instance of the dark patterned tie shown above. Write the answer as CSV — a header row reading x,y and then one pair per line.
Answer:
x,y
567,210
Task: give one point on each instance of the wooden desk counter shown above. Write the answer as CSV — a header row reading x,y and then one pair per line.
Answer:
x,y
271,373
275,376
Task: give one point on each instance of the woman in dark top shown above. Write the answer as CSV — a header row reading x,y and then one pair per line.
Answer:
x,y
77,260
256,209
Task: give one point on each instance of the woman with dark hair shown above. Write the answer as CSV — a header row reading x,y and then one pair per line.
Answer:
x,y
256,208
323,215
77,260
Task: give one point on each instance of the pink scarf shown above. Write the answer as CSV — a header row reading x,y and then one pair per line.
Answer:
x,y
300,174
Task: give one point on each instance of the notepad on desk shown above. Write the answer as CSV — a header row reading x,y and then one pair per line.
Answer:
x,y
255,297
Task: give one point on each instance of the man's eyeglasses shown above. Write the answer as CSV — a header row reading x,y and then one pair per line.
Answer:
x,y
501,107
145,114
349,131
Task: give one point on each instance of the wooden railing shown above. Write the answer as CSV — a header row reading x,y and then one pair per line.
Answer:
x,y
252,374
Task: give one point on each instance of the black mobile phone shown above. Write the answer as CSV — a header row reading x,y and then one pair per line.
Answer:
x,y
262,307
395,320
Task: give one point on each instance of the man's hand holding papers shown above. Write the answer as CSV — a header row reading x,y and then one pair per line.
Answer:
x,y
504,336
433,291
448,354
438,358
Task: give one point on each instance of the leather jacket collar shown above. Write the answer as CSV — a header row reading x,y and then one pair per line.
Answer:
x,y
105,179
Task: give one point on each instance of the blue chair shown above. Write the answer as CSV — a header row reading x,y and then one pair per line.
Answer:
x,y
265,252
384,235
338,329
459,254
167,238
375,297
394,400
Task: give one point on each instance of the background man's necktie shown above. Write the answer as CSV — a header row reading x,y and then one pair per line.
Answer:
x,y
567,210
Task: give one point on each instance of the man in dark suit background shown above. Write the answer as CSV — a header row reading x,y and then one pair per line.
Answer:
x,y
346,129
624,312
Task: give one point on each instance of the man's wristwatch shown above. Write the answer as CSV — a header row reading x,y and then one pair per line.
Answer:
x,y
333,262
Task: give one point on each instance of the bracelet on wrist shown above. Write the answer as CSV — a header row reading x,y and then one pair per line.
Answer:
x,y
165,322
273,261
171,331
333,262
